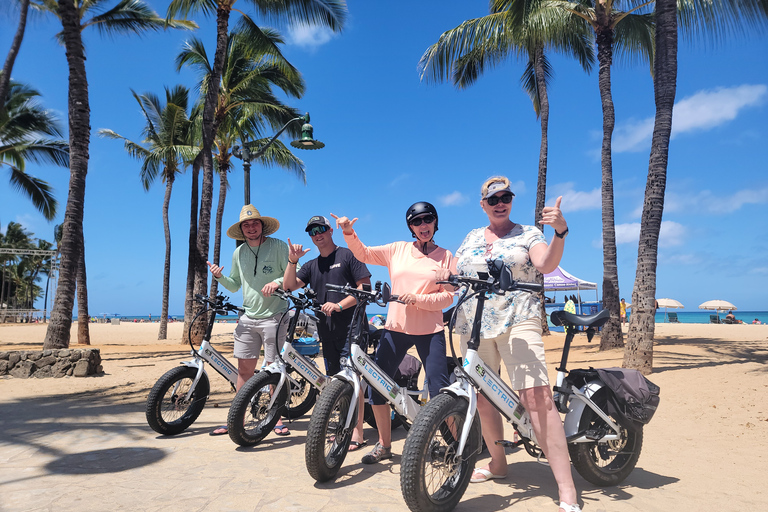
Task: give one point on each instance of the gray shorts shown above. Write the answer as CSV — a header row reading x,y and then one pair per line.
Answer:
x,y
252,333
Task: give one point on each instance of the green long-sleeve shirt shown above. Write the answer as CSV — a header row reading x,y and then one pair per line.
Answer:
x,y
252,274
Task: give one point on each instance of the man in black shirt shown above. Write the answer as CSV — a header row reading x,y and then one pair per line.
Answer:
x,y
335,265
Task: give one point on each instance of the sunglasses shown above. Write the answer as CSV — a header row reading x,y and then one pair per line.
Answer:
x,y
494,200
316,230
429,219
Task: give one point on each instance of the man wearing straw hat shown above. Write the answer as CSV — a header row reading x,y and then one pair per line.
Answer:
x,y
257,266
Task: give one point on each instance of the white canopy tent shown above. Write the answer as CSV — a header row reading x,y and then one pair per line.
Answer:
x,y
560,280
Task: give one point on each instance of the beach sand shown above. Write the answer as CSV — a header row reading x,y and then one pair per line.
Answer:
x,y
83,443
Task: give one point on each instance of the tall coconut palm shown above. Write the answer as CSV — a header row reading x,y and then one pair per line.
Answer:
x,y
328,13
523,30
24,123
718,18
168,136
15,237
5,74
617,32
126,17
247,105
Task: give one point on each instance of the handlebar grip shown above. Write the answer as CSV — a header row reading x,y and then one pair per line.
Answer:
x,y
531,287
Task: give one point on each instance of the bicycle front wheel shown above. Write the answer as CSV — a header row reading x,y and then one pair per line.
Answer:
x,y
250,417
169,411
433,477
327,439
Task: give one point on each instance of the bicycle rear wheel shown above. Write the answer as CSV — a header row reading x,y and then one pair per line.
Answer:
x,y
250,418
169,411
327,439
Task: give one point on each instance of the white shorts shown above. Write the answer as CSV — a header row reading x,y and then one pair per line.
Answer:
x,y
252,333
522,350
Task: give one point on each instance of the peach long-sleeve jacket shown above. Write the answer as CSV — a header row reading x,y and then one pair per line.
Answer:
x,y
410,272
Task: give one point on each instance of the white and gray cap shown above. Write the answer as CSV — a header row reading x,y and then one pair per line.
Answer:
x,y
497,187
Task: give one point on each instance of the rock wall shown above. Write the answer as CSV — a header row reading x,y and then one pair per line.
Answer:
x,y
50,363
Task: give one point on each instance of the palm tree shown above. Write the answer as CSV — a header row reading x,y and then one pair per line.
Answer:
x,y
247,104
329,13
15,237
167,133
522,29
5,74
127,16
631,33
24,123
695,17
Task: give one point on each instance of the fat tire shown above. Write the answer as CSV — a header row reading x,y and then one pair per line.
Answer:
x,y
170,414
327,444
302,399
249,420
428,450
605,464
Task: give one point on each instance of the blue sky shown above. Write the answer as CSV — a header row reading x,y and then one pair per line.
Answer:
x,y
392,140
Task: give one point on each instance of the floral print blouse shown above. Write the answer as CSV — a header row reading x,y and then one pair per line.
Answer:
x,y
500,311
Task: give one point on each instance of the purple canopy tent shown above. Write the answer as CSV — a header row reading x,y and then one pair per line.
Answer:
x,y
560,280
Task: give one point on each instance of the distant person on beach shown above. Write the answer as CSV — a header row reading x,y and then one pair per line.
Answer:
x,y
511,328
418,320
623,311
258,266
756,321
335,265
730,317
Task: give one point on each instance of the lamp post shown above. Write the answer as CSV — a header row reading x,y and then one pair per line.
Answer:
x,y
244,153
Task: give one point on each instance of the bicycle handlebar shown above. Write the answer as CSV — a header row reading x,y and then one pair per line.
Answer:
x,y
377,296
304,300
219,304
487,283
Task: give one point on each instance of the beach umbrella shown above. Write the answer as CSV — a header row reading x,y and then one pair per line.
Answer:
x,y
717,305
668,303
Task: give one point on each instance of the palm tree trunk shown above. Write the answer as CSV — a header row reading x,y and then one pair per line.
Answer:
x,y
57,335
541,183
206,196
5,78
83,317
223,171
189,303
639,351
611,335
163,333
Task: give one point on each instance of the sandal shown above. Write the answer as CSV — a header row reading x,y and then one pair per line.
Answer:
x,y
219,431
569,508
356,445
282,430
378,454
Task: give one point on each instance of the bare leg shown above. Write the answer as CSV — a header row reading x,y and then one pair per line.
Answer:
x,y
357,434
383,415
548,427
245,370
493,430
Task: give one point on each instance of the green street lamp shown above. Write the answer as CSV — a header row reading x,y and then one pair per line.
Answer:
x,y
247,156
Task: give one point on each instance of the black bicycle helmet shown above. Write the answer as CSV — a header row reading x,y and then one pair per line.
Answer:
x,y
417,210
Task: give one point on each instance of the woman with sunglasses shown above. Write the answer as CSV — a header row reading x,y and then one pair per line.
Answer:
x,y
511,328
418,320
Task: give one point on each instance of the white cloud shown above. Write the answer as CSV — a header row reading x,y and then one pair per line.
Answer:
x,y
671,234
454,199
309,36
702,111
708,202
397,180
574,200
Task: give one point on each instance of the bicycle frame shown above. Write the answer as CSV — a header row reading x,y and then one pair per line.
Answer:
x,y
360,365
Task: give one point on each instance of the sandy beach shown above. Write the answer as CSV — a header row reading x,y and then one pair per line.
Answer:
x,y
83,443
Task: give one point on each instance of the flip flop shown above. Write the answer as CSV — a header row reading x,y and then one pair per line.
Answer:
x,y
356,445
485,475
282,430
219,431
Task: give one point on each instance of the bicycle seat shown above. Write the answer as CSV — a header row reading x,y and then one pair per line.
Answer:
x,y
565,318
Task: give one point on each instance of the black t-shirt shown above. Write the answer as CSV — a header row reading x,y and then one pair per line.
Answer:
x,y
341,268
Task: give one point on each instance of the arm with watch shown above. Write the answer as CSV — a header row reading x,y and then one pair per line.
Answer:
x,y
546,257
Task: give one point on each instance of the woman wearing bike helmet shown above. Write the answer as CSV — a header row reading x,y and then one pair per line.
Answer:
x,y
419,319
511,328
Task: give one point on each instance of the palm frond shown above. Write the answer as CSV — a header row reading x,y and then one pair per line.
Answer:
x,y
325,13
39,191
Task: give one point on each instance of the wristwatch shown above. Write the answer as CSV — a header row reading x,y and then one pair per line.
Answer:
x,y
563,234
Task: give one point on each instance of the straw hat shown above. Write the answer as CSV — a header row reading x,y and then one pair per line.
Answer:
x,y
249,212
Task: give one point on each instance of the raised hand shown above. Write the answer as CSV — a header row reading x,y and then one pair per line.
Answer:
x,y
215,269
345,224
296,251
553,216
